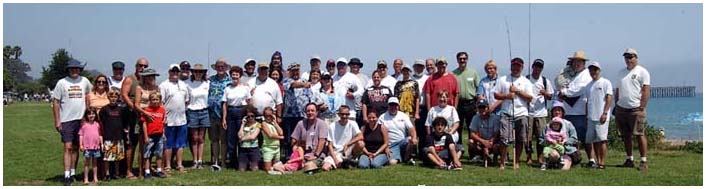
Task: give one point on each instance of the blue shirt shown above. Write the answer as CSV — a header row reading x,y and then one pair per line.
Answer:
x,y
296,98
215,94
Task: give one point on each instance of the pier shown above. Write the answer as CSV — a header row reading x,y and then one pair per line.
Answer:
x,y
677,91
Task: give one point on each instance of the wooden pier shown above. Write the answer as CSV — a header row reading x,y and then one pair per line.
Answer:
x,y
677,91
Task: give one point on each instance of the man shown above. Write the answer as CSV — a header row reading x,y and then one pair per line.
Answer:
x,y
420,77
330,67
397,66
249,72
266,92
355,65
175,97
127,93
315,64
401,132
430,66
313,131
599,93
543,90
116,80
386,80
217,134
485,132
468,82
516,92
575,102
297,95
631,103
185,70
375,97
343,141
347,85
69,96
441,81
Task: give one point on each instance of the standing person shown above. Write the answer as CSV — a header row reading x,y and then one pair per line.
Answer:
x,y
575,102
249,72
276,62
375,143
355,66
266,92
343,137
197,112
90,139
407,90
185,68
468,82
315,80
397,67
217,133
248,150
599,93
153,120
235,97
420,77
175,96
330,67
543,90
113,120
631,103
430,64
143,91
401,132
68,106
271,135
297,95
484,133
116,80
386,80
441,81
127,94
347,85
375,97
330,101
312,132
98,98
314,65
516,92
278,77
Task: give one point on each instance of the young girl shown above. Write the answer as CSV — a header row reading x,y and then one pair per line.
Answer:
x,y
90,139
249,152
272,134
295,162
555,141
114,123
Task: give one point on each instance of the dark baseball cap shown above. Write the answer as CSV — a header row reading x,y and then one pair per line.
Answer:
x,y
118,65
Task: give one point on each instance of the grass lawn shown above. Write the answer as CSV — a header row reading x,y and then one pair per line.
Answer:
x,y
33,156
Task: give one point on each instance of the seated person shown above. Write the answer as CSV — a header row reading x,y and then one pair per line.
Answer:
x,y
441,149
343,137
554,137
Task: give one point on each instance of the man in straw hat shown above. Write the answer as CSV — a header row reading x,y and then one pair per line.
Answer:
x,y
575,101
217,134
630,114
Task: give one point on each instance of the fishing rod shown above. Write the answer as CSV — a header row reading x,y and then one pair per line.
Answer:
x,y
512,101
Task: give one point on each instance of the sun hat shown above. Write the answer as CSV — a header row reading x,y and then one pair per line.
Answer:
x,y
149,72
355,61
198,67
73,63
263,65
630,51
579,55
310,167
220,60
293,66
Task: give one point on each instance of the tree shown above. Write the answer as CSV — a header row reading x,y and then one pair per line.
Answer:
x,y
14,69
8,83
57,69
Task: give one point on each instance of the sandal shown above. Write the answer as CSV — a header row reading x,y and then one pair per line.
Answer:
x,y
132,177
181,169
601,167
167,169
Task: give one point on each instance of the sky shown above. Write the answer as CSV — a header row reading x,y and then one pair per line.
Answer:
x,y
668,37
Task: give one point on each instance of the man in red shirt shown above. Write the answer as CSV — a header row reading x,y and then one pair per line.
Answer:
x,y
441,81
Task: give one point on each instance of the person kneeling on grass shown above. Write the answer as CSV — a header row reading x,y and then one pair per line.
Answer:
x,y
441,149
555,142
249,152
485,133
154,135
272,133
295,162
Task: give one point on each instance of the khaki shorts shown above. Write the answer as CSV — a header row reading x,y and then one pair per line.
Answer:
x,y
630,121
536,125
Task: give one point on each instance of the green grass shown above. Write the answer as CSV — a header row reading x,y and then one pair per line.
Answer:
x,y
33,155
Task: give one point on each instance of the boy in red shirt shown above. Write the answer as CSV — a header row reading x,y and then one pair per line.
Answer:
x,y
154,135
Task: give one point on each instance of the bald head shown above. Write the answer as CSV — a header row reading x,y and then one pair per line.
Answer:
x,y
141,64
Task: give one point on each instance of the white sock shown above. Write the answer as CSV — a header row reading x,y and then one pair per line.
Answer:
x,y
67,174
592,160
147,171
630,158
73,172
643,159
159,170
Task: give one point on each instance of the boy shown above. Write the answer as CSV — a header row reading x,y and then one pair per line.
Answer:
x,y
113,118
441,149
154,135
599,93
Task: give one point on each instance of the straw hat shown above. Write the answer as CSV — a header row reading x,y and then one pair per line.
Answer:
x,y
220,60
310,166
198,67
579,55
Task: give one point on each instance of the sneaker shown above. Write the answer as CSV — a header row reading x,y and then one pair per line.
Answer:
x,y
107,178
287,172
274,172
476,159
215,167
161,175
643,166
148,176
457,168
591,164
67,181
543,167
628,163
200,166
195,166
412,162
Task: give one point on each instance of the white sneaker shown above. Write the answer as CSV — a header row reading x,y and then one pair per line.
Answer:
x,y
274,172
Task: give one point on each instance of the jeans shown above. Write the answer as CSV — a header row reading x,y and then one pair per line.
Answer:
x,y
379,161
466,111
234,120
289,124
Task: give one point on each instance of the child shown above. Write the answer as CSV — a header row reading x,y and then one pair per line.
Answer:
x,y
249,153
555,141
295,162
90,139
114,123
441,149
272,134
153,135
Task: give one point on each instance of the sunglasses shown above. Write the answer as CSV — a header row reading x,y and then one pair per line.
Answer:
x,y
629,56
143,65
101,82
344,114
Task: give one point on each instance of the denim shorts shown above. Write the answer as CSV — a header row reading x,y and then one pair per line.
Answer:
x,y
176,136
92,153
154,146
397,149
198,118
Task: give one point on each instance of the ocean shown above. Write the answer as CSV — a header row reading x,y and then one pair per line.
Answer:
x,y
681,117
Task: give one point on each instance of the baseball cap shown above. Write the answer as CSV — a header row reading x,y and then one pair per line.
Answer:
x,y
538,62
263,65
482,103
595,64
118,65
406,67
419,62
382,63
174,66
330,62
341,59
630,51
556,120
293,66
250,61
393,100
441,60
517,60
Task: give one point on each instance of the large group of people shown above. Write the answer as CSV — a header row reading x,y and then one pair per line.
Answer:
x,y
262,116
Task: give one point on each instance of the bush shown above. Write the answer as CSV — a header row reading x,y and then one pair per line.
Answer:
x,y
693,146
654,139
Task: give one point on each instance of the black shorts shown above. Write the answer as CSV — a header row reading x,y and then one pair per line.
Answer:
x,y
69,131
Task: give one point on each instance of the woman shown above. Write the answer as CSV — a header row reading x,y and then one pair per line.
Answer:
x,y
450,114
235,97
197,113
142,99
276,74
99,96
407,90
315,80
331,101
572,155
375,142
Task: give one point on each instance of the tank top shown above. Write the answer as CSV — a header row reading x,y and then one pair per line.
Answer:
x,y
145,97
133,86
267,141
373,139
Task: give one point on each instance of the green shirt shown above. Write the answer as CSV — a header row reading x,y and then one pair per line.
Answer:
x,y
266,140
248,130
468,81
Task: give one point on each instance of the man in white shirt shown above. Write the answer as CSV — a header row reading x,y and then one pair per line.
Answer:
x,y
401,132
516,92
266,92
343,140
175,96
355,65
631,101
116,81
575,101
387,80
599,93
543,90
249,71
347,85
421,78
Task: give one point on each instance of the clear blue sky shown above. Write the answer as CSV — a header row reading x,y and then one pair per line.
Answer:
x,y
668,37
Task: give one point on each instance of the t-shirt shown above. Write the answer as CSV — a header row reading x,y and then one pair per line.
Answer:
x,y
175,95
376,98
439,142
420,82
408,93
310,132
91,135
448,112
388,82
630,86
71,94
341,84
199,94
436,84
520,105
216,89
574,89
265,94
397,126
156,126
333,102
114,121
596,92
339,134
486,128
236,96
246,79
296,98
538,108
247,131
266,140
468,82
487,90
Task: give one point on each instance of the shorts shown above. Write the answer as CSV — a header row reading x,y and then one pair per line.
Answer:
x,y
113,150
269,153
580,122
135,134
548,149
397,149
154,146
630,121
459,149
596,132
176,136
248,156
198,118
329,159
92,153
69,131
536,125
506,127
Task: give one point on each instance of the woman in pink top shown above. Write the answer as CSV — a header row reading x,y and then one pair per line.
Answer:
x,y
90,139
295,162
